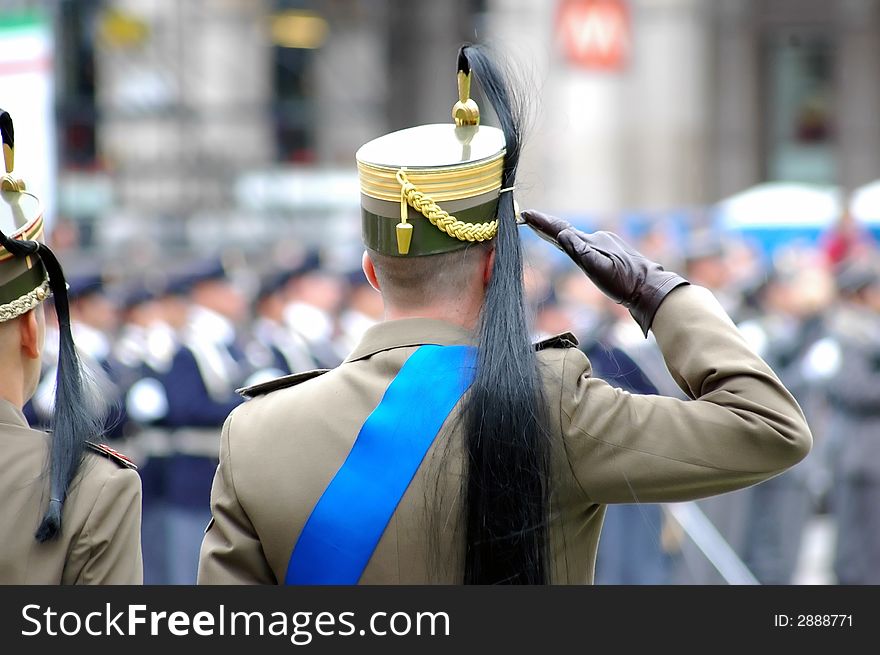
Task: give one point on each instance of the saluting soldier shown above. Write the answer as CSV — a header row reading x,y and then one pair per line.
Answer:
x,y
71,508
447,448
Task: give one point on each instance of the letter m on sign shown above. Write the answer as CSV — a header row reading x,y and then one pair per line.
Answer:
x,y
594,33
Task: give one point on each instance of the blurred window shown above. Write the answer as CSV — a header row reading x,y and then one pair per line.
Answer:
x,y
297,31
75,62
799,67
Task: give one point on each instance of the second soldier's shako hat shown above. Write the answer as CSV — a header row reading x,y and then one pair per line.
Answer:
x,y
29,272
433,188
24,282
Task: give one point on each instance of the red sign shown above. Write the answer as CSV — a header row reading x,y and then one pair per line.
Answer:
x,y
594,33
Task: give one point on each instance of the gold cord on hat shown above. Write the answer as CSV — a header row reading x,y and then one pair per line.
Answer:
x,y
25,303
410,196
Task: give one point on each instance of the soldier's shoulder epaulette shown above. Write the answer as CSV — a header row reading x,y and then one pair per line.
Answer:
x,y
564,340
279,383
113,455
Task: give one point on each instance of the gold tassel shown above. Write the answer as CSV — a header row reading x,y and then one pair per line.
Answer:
x,y
404,229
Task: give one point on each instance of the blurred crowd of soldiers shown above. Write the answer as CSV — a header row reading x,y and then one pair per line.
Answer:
x,y
812,311
169,357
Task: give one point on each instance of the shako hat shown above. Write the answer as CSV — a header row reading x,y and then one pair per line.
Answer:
x,y
24,282
433,188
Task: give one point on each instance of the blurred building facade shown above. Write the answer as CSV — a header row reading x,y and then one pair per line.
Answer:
x,y
206,122
236,120
710,98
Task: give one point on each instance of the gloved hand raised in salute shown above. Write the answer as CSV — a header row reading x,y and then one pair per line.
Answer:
x,y
618,270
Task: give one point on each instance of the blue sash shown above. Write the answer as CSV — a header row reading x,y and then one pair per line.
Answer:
x,y
346,524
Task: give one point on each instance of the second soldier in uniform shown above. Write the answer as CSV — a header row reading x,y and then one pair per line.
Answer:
x,y
71,507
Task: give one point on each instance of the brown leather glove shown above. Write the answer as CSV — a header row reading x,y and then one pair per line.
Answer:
x,y
620,272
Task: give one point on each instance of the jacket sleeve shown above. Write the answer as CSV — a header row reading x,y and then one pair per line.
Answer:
x,y
741,426
231,551
109,547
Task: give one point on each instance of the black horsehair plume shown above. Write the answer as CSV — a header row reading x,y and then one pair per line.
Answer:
x,y
74,421
463,64
506,488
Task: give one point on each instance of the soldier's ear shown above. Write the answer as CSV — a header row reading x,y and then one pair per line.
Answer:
x,y
370,271
29,329
488,265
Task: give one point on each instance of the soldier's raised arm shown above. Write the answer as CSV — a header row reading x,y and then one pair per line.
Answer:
x,y
741,425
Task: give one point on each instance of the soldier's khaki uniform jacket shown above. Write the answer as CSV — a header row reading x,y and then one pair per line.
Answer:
x,y
281,449
100,540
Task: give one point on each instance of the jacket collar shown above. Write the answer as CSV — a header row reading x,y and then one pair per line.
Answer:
x,y
409,332
11,415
